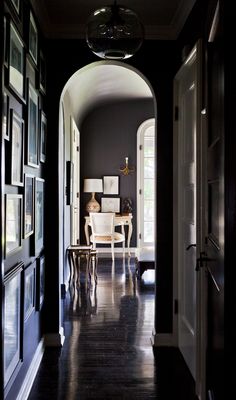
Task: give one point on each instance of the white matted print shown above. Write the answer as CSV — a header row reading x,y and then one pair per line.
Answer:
x,y
111,184
111,204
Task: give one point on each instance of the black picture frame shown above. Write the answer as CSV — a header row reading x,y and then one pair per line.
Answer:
x,y
28,205
69,182
16,63
16,4
33,38
32,156
13,223
5,120
40,279
39,215
43,136
13,332
17,148
42,73
29,290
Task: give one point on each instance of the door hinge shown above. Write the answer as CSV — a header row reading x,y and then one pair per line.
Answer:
x,y
77,148
140,191
140,147
77,241
140,236
176,306
77,195
176,113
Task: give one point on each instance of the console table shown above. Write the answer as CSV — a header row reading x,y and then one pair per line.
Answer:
x,y
119,221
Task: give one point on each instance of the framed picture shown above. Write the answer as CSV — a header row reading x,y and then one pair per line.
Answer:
x,y
29,290
110,204
13,229
32,128
5,120
28,205
42,73
39,215
17,148
5,32
16,5
12,321
16,62
40,281
111,185
43,136
33,38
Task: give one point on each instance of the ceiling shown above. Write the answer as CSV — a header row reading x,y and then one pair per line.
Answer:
x,y
162,19
105,81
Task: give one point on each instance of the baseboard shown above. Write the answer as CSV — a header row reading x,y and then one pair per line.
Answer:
x,y
31,373
54,339
162,339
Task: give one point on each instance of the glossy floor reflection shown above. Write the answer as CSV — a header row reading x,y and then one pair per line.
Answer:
x,y
107,353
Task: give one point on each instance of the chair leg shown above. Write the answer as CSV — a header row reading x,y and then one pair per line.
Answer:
x,y
112,251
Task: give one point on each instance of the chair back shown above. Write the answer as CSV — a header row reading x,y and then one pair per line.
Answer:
x,y
102,224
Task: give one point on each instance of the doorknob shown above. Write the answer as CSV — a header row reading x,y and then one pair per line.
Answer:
x,y
191,245
200,260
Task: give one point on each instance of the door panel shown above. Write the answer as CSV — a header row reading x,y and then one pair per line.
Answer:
x,y
187,101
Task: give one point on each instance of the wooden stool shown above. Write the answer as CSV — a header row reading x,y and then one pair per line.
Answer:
x,y
75,252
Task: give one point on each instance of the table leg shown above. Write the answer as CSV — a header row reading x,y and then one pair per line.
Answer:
x,y
130,231
86,231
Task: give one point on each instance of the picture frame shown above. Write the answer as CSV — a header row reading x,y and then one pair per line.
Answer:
x,y
110,204
40,282
5,120
39,215
28,205
29,290
17,148
13,223
33,38
32,158
42,73
16,5
111,185
13,321
43,136
16,79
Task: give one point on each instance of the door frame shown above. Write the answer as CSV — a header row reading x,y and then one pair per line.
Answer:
x,y
200,221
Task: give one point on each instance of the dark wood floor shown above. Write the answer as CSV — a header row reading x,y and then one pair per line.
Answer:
x,y
107,353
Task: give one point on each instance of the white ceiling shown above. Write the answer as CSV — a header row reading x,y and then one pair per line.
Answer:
x,y
101,82
162,19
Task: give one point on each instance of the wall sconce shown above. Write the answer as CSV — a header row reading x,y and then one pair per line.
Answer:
x,y
126,170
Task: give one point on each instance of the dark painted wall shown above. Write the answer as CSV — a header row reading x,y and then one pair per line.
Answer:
x,y
108,135
157,61
31,331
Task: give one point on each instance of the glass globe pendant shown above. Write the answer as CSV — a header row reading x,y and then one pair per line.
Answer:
x,y
114,32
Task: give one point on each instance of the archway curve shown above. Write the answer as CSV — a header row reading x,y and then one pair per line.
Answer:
x,y
78,77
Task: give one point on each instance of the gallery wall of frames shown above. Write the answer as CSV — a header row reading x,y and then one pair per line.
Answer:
x,y
24,130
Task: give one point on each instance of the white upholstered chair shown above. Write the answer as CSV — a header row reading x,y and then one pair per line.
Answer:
x,y
103,231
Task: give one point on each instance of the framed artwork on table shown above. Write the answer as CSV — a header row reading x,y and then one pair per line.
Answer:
x,y
111,185
39,215
40,281
110,204
16,62
43,136
13,223
33,38
17,148
5,120
29,290
28,205
12,321
32,128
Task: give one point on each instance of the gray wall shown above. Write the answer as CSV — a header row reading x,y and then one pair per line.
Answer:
x,y
108,135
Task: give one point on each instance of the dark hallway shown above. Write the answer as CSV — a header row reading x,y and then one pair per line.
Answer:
x,y
107,352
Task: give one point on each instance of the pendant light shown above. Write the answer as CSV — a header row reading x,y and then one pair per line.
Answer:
x,y
114,32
